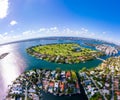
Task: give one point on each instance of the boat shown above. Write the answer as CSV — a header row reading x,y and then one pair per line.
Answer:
x,y
3,55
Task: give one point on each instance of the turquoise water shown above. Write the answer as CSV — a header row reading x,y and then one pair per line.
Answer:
x,y
33,62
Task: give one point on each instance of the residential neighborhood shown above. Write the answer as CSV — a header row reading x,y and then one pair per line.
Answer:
x,y
102,82
30,84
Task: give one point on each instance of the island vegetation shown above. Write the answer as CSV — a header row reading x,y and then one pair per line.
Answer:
x,y
63,53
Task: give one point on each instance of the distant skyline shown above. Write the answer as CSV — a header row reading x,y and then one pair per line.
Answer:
x,y
25,19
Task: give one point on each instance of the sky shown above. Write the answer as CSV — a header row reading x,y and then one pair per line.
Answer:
x,y
24,19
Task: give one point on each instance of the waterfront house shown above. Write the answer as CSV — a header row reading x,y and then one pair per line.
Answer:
x,y
105,91
31,90
47,74
87,82
116,84
39,85
15,98
63,73
51,84
45,84
50,88
53,73
77,85
56,84
118,95
107,84
62,86
68,74
77,88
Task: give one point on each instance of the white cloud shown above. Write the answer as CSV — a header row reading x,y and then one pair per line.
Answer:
x,y
12,31
42,29
5,33
1,36
27,32
104,32
66,31
53,31
46,32
4,5
13,22
92,35
84,30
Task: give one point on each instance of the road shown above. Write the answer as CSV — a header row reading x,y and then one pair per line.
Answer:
x,y
112,88
26,92
99,89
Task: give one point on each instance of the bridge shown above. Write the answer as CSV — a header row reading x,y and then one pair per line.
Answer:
x,y
100,59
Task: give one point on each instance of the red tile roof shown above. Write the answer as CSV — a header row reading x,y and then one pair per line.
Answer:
x,y
62,86
77,85
68,74
51,84
117,92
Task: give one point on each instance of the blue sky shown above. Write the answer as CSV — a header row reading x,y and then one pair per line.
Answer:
x,y
23,19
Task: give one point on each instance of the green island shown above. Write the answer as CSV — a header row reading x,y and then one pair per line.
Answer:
x,y
68,53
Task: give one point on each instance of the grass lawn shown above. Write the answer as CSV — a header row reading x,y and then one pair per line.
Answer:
x,y
63,53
